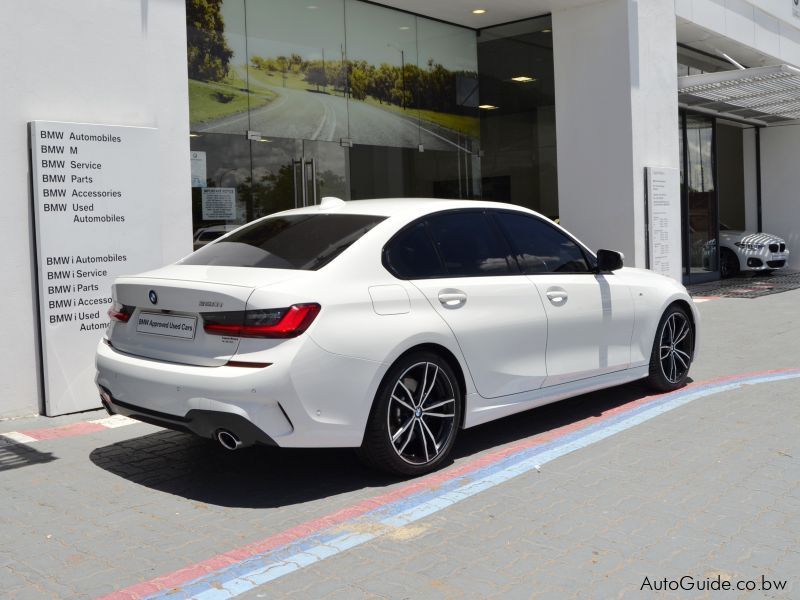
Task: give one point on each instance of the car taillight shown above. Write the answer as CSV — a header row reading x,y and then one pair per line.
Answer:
x,y
120,312
269,323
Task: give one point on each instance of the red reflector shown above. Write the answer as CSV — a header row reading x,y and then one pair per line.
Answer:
x,y
250,365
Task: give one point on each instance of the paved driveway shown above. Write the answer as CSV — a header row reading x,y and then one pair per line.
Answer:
x,y
595,497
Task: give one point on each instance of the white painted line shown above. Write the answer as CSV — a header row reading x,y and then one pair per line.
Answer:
x,y
18,437
114,421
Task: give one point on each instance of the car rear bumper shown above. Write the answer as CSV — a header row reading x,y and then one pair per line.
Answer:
x,y
306,397
205,423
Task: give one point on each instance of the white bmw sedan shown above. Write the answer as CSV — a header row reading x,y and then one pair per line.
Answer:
x,y
387,326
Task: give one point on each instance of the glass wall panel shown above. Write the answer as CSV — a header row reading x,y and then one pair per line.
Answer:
x,y
296,63
356,100
518,139
222,196
447,87
275,185
219,99
701,198
385,172
383,76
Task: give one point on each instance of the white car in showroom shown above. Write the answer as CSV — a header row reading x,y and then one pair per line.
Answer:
x,y
743,251
387,326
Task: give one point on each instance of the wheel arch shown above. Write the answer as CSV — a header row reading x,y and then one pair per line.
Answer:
x,y
447,355
690,311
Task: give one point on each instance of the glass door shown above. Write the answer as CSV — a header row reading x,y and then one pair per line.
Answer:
x,y
699,198
325,172
290,173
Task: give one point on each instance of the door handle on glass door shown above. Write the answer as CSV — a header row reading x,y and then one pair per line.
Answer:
x,y
452,298
557,296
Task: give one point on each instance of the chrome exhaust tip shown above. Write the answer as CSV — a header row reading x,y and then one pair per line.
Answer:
x,y
228,440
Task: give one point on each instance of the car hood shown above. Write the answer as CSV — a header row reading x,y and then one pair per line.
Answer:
x,y
748,237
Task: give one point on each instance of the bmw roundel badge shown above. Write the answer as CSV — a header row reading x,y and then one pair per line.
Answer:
x,y
153,297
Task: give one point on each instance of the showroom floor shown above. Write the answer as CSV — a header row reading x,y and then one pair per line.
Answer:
x,y
748,286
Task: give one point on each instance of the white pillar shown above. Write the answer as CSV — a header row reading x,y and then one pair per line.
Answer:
x,y
616,112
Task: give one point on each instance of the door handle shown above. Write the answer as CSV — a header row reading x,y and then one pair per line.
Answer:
x,y
557,296
314,179
295,186
304,179
451,298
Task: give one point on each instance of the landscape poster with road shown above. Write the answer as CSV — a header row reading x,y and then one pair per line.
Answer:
x,y
398,80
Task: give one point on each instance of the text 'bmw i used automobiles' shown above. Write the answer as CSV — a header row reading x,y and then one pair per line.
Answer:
x,y
386,326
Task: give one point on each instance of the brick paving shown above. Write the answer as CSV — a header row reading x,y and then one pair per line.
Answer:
x,y
711,489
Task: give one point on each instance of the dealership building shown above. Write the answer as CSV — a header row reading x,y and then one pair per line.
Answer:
x,y
134,131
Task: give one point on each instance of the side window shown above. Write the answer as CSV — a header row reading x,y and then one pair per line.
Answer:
x,y
411,255
541,248
468,244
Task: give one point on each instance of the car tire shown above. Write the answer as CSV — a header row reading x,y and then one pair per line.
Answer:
x,y
728,263
670,359
415,416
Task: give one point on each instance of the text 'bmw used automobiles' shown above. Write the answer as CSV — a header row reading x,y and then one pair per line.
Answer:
x,y
387,326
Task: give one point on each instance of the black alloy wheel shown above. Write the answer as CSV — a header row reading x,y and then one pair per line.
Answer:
x,y
672,352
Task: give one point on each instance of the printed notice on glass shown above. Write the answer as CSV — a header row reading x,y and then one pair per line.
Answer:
x,y
197,159
96,205
219,204
664,221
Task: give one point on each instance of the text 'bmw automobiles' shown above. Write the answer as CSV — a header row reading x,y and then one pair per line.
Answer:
x,y
387,326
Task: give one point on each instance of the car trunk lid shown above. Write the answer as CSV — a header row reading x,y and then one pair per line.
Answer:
x,y
168,307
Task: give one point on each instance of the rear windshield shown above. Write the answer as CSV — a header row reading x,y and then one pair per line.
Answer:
x,y
304,242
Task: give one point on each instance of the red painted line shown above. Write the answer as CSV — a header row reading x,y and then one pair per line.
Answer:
x,y
189,573
73,429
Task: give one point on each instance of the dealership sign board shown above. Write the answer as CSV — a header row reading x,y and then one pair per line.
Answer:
x,y
664,221
95,194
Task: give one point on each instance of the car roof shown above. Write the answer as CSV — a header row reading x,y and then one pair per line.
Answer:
x,y
406,208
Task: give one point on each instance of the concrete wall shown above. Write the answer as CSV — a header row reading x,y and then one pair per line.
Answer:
x,y
780,185
93,61
766,25
616,112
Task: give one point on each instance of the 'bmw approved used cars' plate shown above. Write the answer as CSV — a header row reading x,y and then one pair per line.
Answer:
x,y
168,325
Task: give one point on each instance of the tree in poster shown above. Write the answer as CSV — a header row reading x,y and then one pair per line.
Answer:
x,y
207,50
316,75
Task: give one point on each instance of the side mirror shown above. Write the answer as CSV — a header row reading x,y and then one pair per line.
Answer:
x,y
609,260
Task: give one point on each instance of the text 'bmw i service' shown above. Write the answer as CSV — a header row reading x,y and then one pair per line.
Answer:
x,y
387,326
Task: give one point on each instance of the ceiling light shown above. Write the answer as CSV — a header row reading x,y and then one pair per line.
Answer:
x,y
478,11
404,28
546,30
312,7
487,106
194,135
523,79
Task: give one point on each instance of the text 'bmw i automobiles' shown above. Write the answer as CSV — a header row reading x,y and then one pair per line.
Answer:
x,y
387,326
